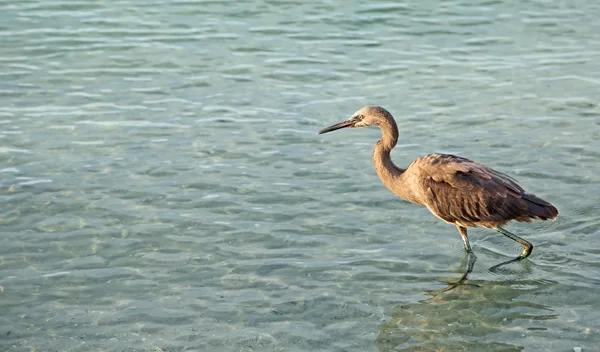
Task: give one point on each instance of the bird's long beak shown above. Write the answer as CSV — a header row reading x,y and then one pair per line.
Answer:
x,y
337,126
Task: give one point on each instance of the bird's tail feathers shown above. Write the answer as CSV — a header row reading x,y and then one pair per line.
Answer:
x,y
539,208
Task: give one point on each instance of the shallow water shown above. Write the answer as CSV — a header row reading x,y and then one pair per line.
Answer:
x,y
163,188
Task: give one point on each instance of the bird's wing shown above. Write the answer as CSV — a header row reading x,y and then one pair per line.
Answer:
x,y
463,191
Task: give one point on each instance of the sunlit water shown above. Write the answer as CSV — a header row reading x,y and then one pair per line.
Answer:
x,y
163,188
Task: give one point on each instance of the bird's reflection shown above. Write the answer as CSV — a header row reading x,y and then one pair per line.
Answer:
x,y
460,315
498,266
471,258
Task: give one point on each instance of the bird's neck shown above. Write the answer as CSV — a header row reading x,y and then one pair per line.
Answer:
x,y
392,176
386,168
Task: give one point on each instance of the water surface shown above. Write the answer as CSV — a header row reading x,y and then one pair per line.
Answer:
x,y
163,188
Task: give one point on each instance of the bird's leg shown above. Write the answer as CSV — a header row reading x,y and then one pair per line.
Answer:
x,y
463,234
527,246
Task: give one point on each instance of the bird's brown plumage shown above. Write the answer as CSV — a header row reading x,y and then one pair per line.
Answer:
x,y
469,194
455,189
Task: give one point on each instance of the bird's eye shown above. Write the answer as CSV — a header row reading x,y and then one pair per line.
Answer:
x,y
359,117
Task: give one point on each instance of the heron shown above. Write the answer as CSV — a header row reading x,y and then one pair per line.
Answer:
x,y
455,189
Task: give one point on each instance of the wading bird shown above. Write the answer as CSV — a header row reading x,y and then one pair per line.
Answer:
x,y
456,190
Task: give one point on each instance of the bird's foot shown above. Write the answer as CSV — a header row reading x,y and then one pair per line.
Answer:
x,y
526,251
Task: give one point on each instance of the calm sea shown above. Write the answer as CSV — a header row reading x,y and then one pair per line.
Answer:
x,y
162,186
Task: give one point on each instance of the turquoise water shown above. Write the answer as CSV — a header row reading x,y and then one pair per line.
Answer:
x,y
163,188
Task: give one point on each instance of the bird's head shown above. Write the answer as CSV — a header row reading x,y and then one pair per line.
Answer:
x,y
367,116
